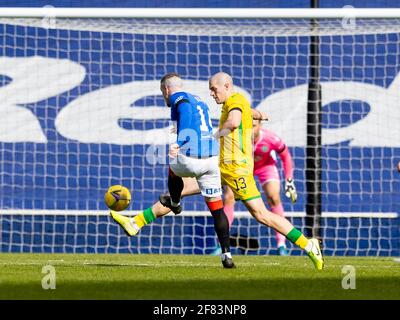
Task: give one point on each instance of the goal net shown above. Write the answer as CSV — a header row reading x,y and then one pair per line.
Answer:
x,y
81,110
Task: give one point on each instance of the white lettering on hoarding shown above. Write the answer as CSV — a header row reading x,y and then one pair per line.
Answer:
x,y
94,117
32,79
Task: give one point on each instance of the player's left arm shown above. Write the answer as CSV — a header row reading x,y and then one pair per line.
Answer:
x,y
290,188
184,118
185,121
232,122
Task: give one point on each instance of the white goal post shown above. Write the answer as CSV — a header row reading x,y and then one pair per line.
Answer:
x,y
82,111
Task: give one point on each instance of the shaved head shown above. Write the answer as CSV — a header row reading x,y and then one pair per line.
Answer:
x,y
221,87
221,78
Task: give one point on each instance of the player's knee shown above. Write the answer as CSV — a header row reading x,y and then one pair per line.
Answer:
x,y
263,216
171,173
274,200
229,198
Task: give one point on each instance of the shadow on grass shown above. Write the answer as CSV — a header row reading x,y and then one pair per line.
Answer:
x,y
274,289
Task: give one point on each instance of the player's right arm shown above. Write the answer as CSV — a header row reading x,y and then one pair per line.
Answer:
x,y
232,122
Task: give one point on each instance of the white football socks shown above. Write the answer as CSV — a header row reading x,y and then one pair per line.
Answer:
x,y
226,255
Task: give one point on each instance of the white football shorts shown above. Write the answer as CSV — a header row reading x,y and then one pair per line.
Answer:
x,y
205,170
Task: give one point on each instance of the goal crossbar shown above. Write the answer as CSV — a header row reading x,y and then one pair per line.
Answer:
x,y
214,13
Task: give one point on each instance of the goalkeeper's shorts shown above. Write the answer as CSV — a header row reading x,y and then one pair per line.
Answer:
x,y
241,180
267,173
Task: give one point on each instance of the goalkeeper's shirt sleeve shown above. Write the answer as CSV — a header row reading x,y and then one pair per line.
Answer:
x,y
287,162
277,144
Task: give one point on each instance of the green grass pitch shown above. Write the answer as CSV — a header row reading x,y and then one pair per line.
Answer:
x,y
193,277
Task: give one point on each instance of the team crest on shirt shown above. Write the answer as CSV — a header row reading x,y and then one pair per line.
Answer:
x,y
264,149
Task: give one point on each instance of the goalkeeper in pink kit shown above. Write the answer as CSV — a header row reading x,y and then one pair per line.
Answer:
x,y
267,145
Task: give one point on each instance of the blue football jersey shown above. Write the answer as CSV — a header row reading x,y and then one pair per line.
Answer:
x,y
194,128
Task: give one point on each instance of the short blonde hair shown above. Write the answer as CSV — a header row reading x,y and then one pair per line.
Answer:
x,y
171,80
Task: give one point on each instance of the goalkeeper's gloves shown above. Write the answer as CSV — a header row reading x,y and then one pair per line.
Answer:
x,y
290,190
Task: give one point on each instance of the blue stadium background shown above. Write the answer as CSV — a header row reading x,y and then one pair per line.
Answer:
x,y
84,172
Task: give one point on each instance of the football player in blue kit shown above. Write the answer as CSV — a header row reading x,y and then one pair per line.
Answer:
x,y
195,154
